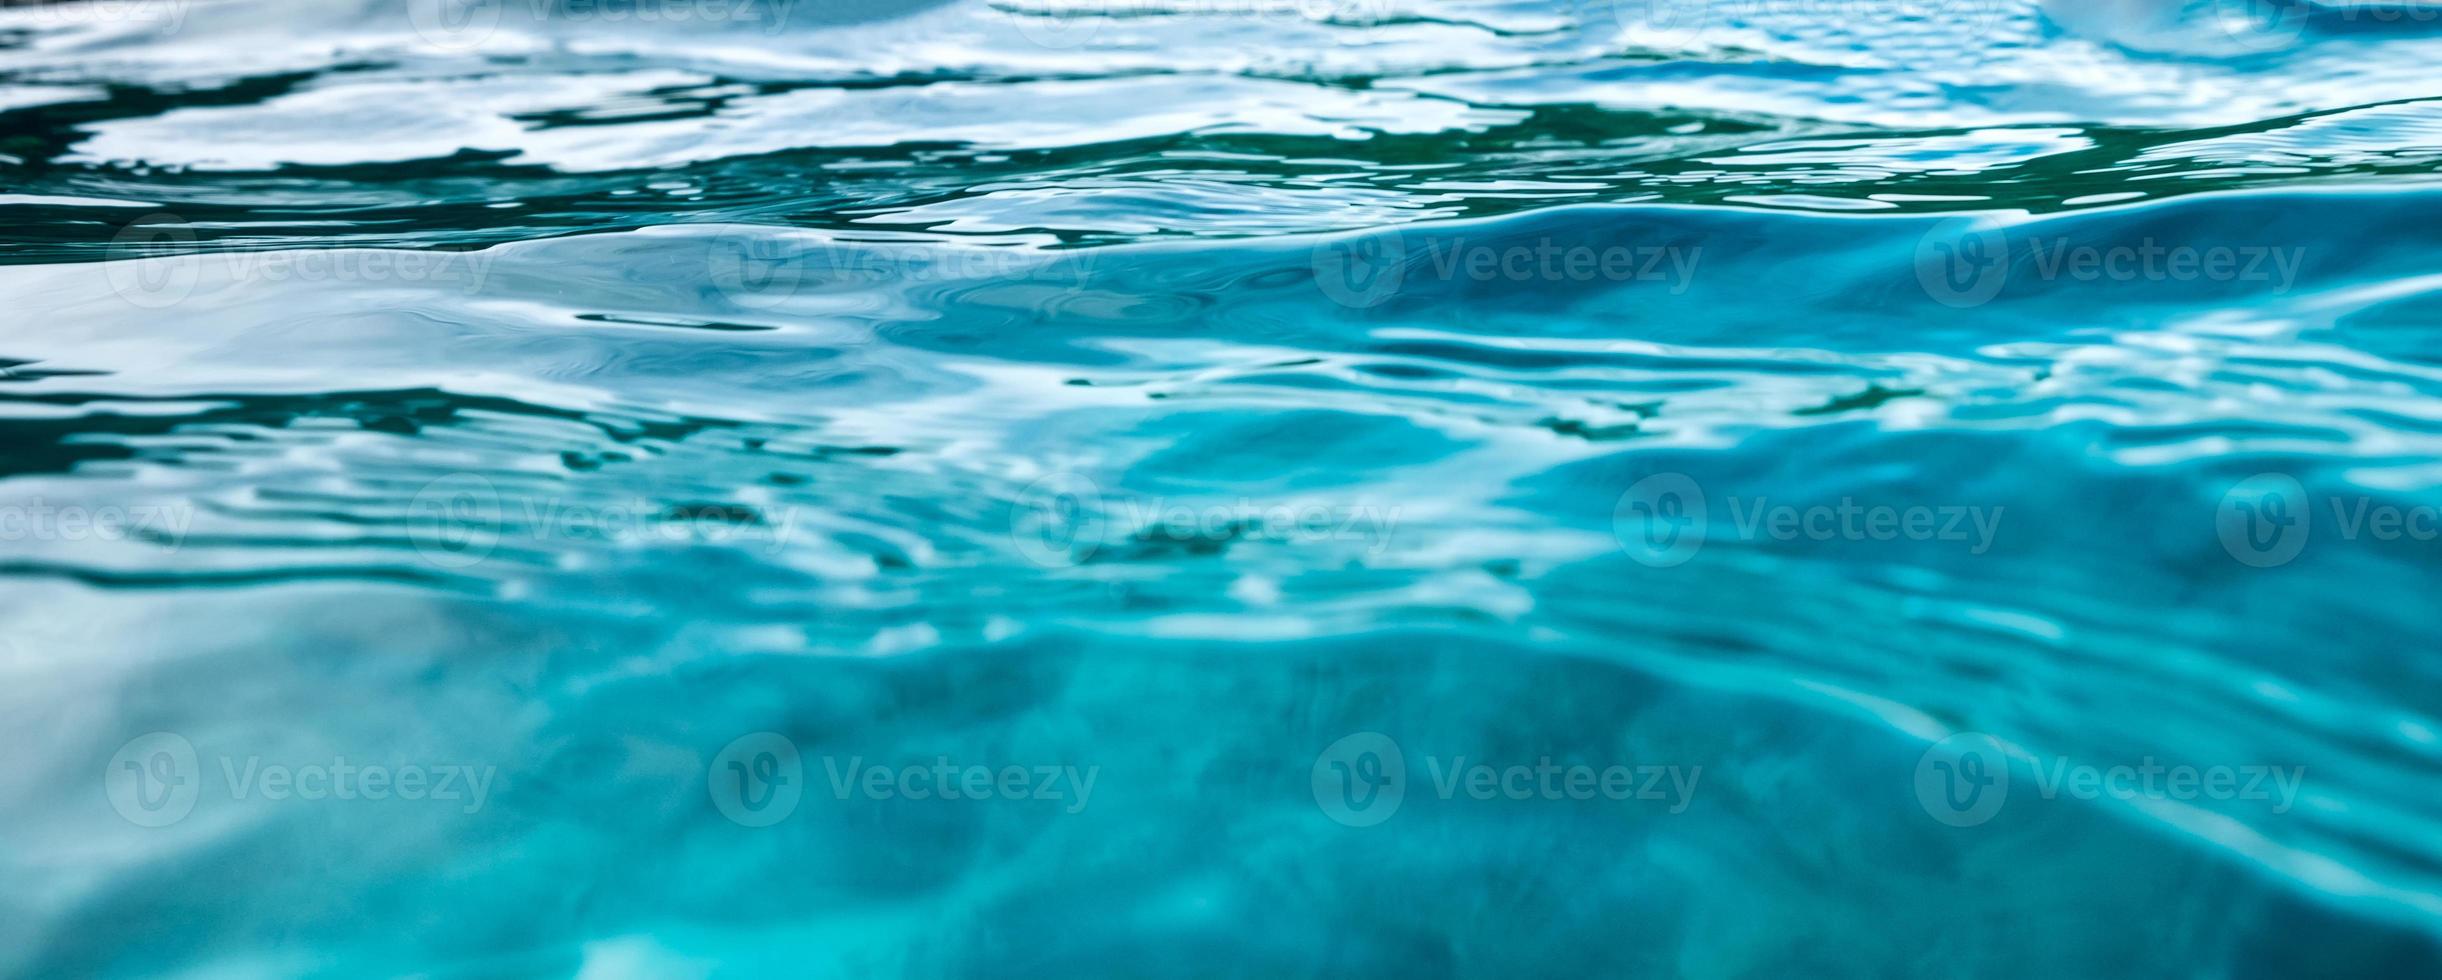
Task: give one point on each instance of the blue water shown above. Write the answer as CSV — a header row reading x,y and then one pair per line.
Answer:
x,y
1897,488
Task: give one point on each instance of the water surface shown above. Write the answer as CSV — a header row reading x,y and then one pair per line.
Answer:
x,y
1852,421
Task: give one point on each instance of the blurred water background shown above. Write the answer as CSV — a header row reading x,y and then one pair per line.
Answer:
x,y
1697,488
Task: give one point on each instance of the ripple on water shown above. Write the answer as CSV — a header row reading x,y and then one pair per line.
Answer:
x,y
1180,388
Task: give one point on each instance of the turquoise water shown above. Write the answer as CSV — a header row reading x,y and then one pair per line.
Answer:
x,y
1924,488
